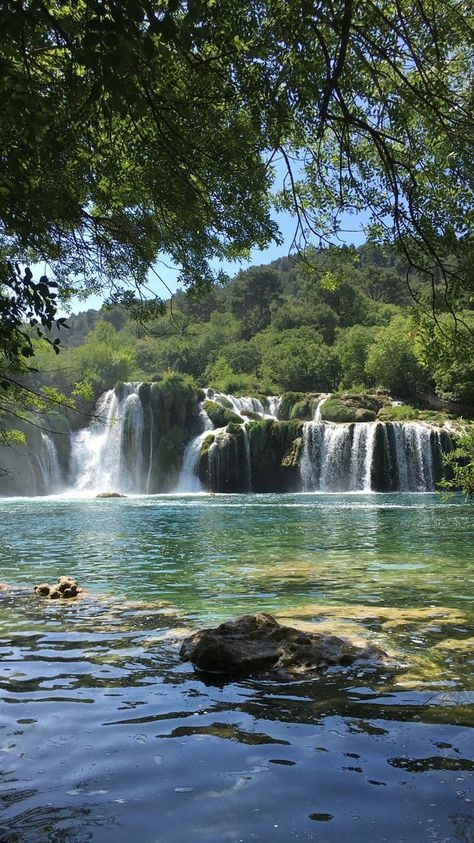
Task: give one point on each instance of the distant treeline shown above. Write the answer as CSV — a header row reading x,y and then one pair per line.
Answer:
x,y
347,319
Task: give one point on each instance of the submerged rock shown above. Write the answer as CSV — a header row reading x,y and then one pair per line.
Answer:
x,y
258,643
110,495
65,588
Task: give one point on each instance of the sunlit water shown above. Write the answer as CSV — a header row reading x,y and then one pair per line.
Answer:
x,y
106,736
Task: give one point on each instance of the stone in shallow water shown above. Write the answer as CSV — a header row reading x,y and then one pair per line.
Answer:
x,y
65,588
257,643
110,495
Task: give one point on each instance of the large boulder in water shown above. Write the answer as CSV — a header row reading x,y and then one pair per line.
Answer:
x,y
257,643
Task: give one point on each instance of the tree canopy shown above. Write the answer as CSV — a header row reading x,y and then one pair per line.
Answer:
x,y
138,129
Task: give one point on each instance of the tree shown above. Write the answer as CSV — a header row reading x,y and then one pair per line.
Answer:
x,y
139,129
352,348
392,361
445,351
460,464
298,359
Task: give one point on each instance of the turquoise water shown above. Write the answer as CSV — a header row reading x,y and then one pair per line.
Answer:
x,y
105,735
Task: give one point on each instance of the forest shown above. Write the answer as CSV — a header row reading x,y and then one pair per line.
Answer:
x,y
347,319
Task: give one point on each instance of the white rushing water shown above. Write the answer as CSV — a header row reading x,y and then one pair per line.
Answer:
x,y
188,480
107,455
48,464
246,405
321,401
340,457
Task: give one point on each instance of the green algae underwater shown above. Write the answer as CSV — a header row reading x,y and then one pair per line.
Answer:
x,y
105,735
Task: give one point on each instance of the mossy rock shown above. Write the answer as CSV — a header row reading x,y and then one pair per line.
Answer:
x,y
275,455
206,444
335,410
220,416
235,429
362,415
225,403
303,409
263,400
364,400
291,459
287,401
119,389
170,414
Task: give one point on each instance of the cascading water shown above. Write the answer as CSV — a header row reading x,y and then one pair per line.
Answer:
x,y
274,402
347,457
116,451
248,460
108,454
48,464
188,480
139,441
415,447
246,405
322,399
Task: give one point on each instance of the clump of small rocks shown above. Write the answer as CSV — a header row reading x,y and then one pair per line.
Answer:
x,y
64,589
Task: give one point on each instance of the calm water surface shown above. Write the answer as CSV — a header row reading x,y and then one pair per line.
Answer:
x,y
106,736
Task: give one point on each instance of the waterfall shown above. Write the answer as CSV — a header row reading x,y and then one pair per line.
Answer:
x,y
274,402
246,405
150,445
322,399
362,454
417,447
48,464
344,457
108,454
188,479
326,457
116,451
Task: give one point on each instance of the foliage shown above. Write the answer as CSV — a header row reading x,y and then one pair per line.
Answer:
x,y
398,412
445,349
460,463
299,359
106,346
352,348
391,359
221,376
140,130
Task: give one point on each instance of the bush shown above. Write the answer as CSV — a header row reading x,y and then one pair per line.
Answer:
x,y
398,412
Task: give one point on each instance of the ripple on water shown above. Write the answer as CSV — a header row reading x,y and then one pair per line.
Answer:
x,y
106,736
